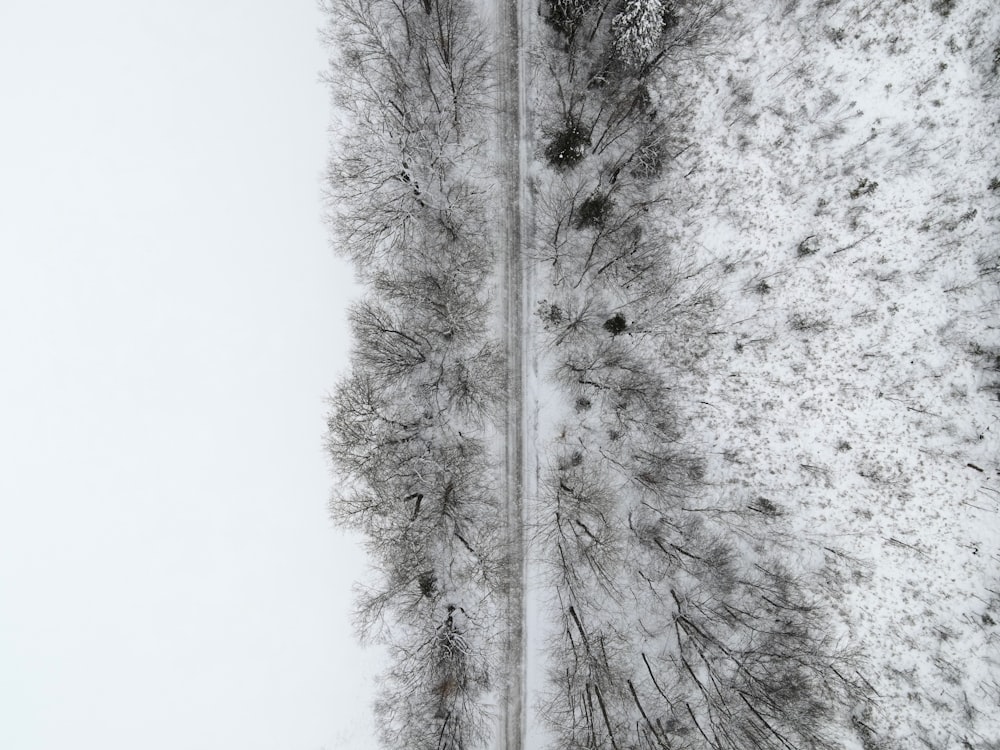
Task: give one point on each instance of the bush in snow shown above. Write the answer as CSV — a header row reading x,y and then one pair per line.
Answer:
x,y
594,211
565,16
616,324
865,187
808,246
568,145
943,7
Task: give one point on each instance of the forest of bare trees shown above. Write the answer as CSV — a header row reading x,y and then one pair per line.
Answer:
x,y
409,426
683,619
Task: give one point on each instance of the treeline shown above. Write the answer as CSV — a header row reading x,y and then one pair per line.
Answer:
x,y
409,426
682,623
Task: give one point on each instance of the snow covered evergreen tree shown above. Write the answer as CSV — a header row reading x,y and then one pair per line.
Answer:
x,y
636,30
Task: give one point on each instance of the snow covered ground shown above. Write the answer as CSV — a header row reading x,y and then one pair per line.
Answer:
x,y
839,176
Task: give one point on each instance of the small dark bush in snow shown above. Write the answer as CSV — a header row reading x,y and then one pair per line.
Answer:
x,y
551,315
865,187
428,583
943,7
802,322
765,506
808,246
616,324
568,146
593,212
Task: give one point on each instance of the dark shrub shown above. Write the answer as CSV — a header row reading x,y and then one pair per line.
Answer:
x,y
671,18
808,246
565,16
943,7
568,146
427,582
616,324
865,187
594,211
551,315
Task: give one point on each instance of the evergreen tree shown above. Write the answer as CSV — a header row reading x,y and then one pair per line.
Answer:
x,y
637,29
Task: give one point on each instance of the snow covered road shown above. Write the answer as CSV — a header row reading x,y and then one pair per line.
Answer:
x,y
510,129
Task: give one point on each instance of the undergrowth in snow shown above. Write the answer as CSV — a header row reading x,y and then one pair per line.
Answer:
x,y
842,174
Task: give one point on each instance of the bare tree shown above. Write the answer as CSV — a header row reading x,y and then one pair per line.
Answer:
x,y
413,78
433,699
